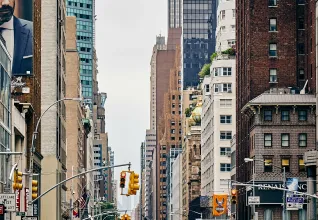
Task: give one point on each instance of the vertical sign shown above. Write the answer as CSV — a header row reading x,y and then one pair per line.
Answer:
x,y
36,208
219,204
17,200
26,199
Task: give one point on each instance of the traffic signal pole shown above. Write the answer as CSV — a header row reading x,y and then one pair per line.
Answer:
x,y
70,178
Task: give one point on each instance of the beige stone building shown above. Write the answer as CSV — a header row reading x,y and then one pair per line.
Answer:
x,y
74,115
191,156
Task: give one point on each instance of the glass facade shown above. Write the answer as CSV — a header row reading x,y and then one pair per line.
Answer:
x,y
199,25
5,107
175,13
84,12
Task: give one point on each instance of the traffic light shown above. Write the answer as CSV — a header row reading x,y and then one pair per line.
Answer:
x,y
234,196
133,184
17,182
125,217
34,189
122,179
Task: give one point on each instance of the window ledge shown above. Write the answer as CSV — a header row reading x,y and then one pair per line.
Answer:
x,y
273,82
273,31
273,57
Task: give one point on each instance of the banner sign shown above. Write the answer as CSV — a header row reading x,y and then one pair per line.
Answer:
x,y
17,200
219,205
274,196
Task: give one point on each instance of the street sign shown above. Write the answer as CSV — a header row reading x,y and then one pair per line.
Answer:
x,y
30,218
294,202
254,200
20,214
8,200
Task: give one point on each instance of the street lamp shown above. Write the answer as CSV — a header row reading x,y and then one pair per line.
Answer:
x,y
32,149
246,160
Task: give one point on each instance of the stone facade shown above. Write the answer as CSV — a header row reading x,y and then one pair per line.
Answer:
x,y
280,135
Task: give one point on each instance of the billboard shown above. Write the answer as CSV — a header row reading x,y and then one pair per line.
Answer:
x,y
16,28
219,204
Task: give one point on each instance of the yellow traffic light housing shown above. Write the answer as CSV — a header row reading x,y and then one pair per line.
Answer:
x,y
122,179
125,217
234,196
34,189
133,184
17,181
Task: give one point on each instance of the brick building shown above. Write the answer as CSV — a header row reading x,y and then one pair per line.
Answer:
x,y
275,49
282,129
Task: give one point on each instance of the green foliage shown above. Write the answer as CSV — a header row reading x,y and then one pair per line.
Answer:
x,y
188,112
205,71
213,56
229,51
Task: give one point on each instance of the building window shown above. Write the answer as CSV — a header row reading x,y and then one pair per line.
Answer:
x,y
273,75
300,2
173,123
273,50
225,167
225,119
267,140
223,87
302,115
207,88
223,14
227,71
301,23
173,105
285,115
173,131
272,3
301,74
225,103
224,151
301,49
301,165
285,163
285,140
173,97
302,139
268,165
233,13
226,135
267,115
273,24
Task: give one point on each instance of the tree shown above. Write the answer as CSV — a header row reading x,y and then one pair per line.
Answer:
x,y
205,71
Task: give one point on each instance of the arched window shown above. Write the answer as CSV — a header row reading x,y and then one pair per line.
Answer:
x,y
268,214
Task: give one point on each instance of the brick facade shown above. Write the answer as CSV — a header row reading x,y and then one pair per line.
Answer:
x,y
276,127
253,61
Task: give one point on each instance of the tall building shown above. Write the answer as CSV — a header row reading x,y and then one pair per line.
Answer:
x,y
191,161
150,146
174,13
275,49
168,121
85,14
199,24
176,195
5,104
74,115
53,132
218,110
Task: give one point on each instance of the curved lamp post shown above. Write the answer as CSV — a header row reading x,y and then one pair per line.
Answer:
x,y
34,136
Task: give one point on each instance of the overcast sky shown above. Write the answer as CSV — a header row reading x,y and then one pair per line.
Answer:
x,y
125,34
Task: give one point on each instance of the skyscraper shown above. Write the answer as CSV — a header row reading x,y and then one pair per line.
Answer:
x,y
84,12
199,24
174,13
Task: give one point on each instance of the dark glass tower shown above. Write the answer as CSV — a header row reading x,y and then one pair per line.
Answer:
x,y
199,25
84,12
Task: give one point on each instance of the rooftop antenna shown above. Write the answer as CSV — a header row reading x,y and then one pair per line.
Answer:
x,y
302,92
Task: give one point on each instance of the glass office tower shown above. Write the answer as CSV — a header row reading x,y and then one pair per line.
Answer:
x,y
5,106
199,25
84,12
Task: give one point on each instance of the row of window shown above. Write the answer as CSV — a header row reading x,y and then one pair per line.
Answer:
x,y
285,140
222,71
285,163
222,87
77,4
285,115
273,3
